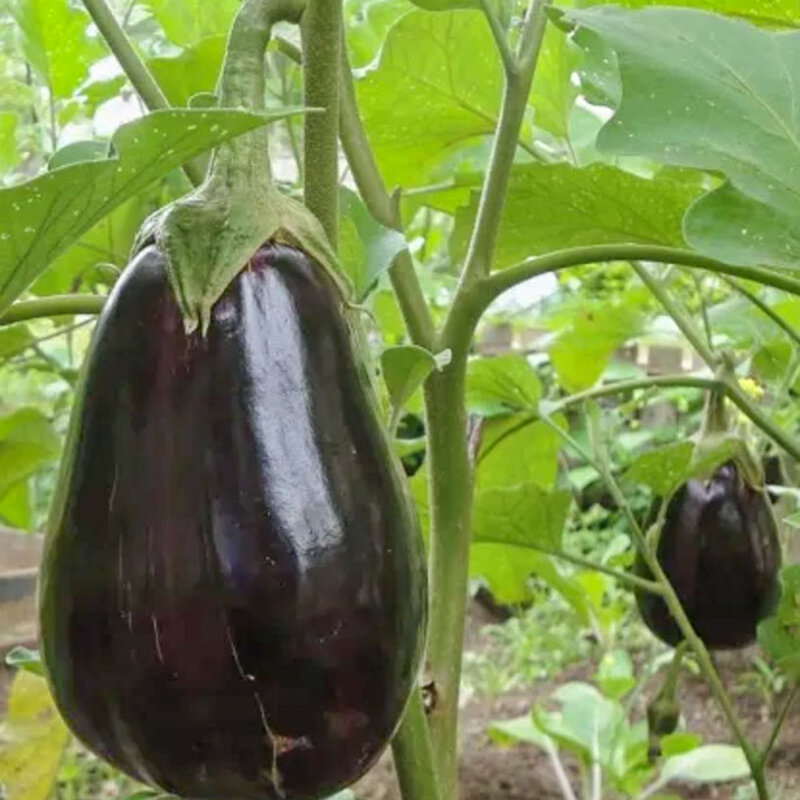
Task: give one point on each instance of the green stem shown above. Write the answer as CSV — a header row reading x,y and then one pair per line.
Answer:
x,y
619,387
732,388
450,491
450,470
384,209
321,29
776,728
134,67
500,38
413,755
626,578
765,308
678,614
557,260
56,305
515,101
678,313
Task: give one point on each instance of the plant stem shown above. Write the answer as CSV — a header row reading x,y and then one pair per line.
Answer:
x,y
416,313
133,66
498,282
762,306
450,470
626,578
413,755
57,305
618,387
735,392
515,100
679,615
776,728
500,38
321,29
678,313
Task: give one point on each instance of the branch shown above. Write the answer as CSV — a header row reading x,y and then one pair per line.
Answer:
x,y
498,282
515,100
57,305
133,66
380,204
618,387
500,38
321,29
776,728
760,304
678,313
413,754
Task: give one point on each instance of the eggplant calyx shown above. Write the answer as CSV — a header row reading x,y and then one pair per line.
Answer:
x,y
210,235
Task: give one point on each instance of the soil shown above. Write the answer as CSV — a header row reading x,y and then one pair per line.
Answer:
x,y
523,772
489,772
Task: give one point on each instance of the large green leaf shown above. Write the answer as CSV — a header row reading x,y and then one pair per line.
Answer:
x,y
524,515
193,70
707,91
553,206
187,21
773,13
32,740
779,635
54,41
367,22
27,442
436,88
43,217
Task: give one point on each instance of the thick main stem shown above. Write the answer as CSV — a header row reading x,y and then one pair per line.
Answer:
x,y
322,41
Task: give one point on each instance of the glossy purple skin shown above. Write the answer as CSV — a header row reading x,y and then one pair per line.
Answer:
x,y
720,550
233,597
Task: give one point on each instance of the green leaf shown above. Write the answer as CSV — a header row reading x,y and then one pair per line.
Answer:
x,y
555,206
771,13
192,71
524,515
33,739
55,43
553,92
516,451
446,5
14,339
506,569
615,675
187,21
436,88
581,353
27,442
779,635
44,216
706,91
405,369
25,659
675,744
501,384
520,729
711,763
16,508
8,140
663,469
367,24
367,248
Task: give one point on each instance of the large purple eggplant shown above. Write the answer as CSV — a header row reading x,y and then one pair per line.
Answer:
x,y
233,595
719,548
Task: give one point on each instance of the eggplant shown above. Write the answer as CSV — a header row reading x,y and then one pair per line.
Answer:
x,y
719,548
233,593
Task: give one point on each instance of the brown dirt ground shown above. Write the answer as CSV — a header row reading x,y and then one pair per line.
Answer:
x,y
523,772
